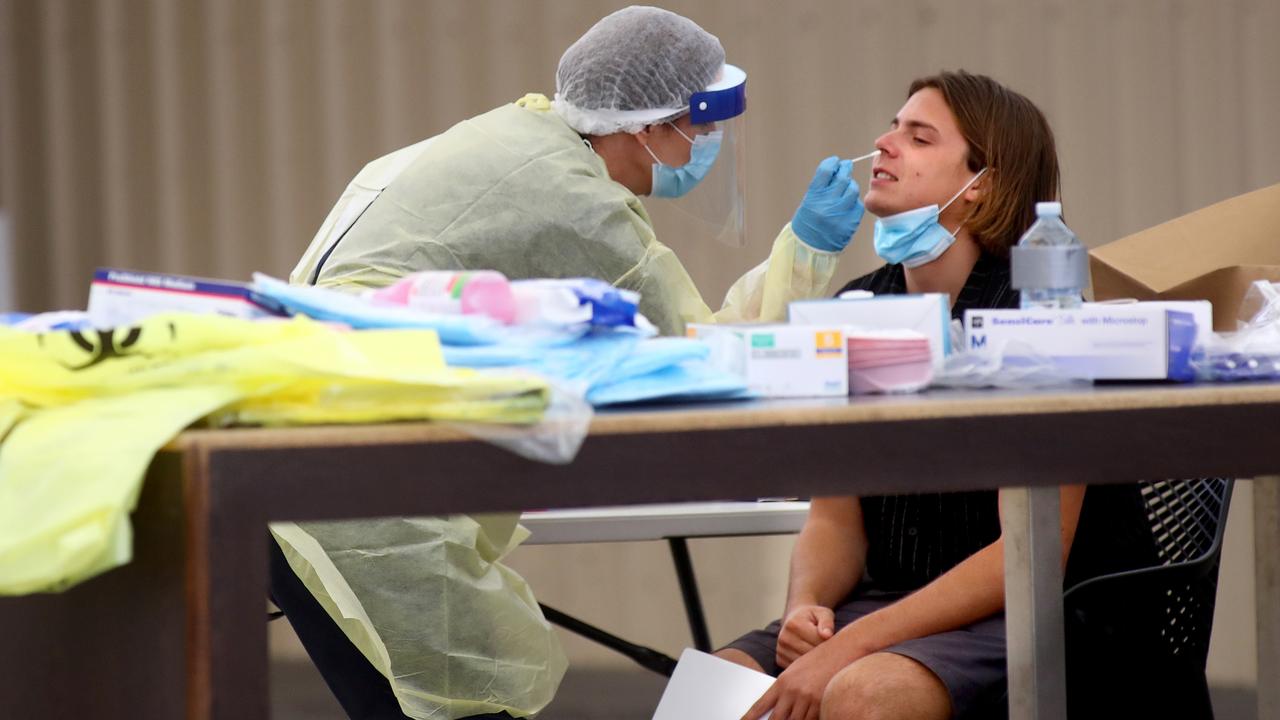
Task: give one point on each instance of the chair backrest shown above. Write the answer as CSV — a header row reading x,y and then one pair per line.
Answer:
x,y
1186,516
1188,519
1166,606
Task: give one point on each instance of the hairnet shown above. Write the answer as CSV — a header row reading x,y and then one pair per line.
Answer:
x,y
635,67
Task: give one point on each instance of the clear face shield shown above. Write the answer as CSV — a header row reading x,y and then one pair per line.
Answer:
x,y
718,201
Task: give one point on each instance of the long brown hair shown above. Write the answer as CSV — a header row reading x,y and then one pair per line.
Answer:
x,y
1009,135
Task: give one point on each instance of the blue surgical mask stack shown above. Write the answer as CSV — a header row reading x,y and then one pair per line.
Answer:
x,y
585,335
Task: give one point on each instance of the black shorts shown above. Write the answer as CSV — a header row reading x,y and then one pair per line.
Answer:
x,y
969,661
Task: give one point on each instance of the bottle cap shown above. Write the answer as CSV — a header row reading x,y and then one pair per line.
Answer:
x,y
1048,209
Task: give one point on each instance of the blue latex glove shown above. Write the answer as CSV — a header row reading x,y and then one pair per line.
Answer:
x,y
832,207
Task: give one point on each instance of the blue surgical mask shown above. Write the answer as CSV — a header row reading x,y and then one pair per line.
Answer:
x,y
674,182
915,237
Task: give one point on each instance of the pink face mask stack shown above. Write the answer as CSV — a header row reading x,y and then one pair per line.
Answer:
x,y
888,361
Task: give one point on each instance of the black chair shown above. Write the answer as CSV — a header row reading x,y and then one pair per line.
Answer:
x,y
1137,640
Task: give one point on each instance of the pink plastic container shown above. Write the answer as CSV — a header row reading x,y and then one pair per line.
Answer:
x,y
897,378
479,292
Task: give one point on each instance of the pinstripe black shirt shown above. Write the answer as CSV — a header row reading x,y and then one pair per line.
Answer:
x,y
912,539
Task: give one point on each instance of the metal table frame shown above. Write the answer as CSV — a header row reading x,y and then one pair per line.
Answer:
x,y
675,524
180,630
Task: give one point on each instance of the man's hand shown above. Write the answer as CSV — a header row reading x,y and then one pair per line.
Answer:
x,y
804,628
797,693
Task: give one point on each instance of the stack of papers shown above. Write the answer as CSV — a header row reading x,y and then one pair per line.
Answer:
x,y
888,361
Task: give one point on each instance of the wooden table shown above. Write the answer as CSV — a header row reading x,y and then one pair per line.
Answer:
x,y
181,629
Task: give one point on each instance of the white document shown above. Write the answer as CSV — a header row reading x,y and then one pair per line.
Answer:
x,y
704,687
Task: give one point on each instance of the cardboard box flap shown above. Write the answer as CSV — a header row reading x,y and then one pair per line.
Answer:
x,y
1244,230
1109,283
1211,254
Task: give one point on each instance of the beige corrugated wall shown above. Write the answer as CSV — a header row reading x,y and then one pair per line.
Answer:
x,y
211,136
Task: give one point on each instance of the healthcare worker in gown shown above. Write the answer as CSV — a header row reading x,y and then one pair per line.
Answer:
x,y
419,616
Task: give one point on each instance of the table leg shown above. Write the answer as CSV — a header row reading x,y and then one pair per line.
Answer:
x,y
111,648
227,586
1033,603
689,590
1266,545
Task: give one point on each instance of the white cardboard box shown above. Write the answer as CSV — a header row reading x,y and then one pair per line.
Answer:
x,y
122,297
1136,341
928,314
781,360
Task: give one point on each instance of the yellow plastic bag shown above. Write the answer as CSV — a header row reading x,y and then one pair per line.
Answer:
x,y
69,476
116,396
11,411
262,359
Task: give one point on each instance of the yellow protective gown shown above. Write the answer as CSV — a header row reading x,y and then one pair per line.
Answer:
x,y
518,191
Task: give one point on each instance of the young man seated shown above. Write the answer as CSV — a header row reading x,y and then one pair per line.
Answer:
x,y
895,604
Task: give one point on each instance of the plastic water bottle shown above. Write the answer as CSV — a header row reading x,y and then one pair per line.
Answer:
x,y
1050,266
479,292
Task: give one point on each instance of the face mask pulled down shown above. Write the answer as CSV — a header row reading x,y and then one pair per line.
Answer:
x,y
915,237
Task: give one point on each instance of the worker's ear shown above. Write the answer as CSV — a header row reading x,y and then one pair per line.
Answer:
x,y
655,132
645,135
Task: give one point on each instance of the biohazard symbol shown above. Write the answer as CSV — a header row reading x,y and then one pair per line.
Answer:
x,y
107,347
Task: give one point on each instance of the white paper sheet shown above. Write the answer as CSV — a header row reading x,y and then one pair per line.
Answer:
x,y
704,687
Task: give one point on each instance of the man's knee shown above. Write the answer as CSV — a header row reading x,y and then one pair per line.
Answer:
x,y
885,686
739,657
